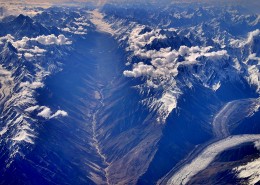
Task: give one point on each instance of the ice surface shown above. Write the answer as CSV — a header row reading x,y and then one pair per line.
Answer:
x,y
208,155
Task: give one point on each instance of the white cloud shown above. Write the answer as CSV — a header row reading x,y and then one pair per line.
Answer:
x,y
137,41
216,55
37,50
7,38
32,108
20,43
36,85
29,51
140,69
52,39
80,30
66,29
45,113
43,39
28,56
78,27
59,113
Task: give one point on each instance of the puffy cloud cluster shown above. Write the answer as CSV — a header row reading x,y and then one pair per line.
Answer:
x,y
46,112
52,39
28,51
78,27
140,69
59,113
165,61
43,39
138,41
20,44
77,31
161,67
7,38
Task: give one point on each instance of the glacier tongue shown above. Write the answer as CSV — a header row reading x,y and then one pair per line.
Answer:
x,y
208,155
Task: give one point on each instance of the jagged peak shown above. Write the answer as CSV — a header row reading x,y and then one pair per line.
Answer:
x,y
22,18
10,47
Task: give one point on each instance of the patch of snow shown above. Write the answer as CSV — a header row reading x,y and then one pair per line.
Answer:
x,y
252,69
23,136
216,86
3,131
249,171
257,145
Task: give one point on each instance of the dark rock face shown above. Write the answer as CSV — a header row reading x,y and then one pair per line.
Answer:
x,y
23,26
